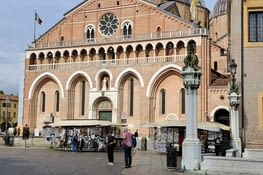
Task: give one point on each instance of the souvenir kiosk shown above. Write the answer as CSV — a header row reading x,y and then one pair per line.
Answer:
x,y
91,134
165,133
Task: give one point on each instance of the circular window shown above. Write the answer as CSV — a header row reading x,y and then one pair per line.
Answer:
x,y
108,24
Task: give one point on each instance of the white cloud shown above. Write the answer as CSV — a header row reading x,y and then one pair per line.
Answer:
x,y
11,66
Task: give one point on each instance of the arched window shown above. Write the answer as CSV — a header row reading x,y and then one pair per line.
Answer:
x,y
57,100
182,100
159,30
90,33
162,101
83,98
131,96
42,101
127,30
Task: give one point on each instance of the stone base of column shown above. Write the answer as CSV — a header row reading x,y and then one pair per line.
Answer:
x,y
236,143
191,155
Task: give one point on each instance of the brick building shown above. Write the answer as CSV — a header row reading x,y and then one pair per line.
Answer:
x,y
8,111
114,60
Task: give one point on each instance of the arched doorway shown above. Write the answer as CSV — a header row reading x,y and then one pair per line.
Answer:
x,y
104,109
222,116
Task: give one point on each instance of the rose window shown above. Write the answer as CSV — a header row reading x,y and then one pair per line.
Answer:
x,y
108,24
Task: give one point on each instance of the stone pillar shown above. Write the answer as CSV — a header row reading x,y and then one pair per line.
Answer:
x,y
234,122
191,155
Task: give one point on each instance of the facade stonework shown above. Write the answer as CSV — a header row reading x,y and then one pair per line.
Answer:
x,y
114,59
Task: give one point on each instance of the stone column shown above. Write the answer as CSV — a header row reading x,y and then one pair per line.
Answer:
x,y
191,155
234,122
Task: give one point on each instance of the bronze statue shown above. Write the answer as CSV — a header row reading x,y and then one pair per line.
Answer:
x,y
191,59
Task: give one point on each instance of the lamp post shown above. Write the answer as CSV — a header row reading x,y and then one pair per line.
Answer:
x,y
234,101
6,117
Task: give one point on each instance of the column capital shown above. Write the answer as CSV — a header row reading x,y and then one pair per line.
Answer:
x,y
191,78
234,99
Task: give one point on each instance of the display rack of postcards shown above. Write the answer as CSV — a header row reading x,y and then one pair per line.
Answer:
x,y
90,138
165,136
211,142
202,135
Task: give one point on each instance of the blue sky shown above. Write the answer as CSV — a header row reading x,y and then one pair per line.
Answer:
x,y
17,31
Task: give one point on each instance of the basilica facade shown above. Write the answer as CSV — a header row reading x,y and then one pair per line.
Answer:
x,y
121,61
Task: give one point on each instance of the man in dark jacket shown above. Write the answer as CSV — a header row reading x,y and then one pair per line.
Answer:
x,y
110,142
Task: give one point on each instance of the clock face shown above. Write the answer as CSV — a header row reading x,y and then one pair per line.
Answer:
x,y
108,24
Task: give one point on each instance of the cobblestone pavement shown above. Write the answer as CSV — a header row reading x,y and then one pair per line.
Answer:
x,y
36,161
33,161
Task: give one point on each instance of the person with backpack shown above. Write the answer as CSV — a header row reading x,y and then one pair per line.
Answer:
x,y
134,140
127,146
111,143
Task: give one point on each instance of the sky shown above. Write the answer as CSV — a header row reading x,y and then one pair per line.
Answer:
x,y
17,32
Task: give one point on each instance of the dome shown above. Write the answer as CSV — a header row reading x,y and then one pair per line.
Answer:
x,y
220,8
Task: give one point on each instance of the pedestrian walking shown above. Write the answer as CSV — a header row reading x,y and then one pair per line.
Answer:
x,y
135,140
136,134
110,143
75,142
127,146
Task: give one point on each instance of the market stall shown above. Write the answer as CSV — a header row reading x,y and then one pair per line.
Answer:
x,y
169,132
91,134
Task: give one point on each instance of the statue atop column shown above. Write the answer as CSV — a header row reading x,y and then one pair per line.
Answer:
x,y
191,79
191,60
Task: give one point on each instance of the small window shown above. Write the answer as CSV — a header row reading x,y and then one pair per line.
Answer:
x,y
215,66
127,30
57,100
256,26
90,33
42,102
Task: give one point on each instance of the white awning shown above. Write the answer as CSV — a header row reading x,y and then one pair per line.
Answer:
x,y
165,123
210,126
82,122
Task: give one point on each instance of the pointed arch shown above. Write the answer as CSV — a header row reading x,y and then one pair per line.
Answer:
x,y
153,79
70,79
126,71
40,78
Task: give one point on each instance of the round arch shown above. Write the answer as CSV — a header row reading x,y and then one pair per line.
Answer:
x,y
102,109
221,114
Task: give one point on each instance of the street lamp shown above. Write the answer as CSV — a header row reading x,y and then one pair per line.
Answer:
x,y
234,101
6,117
233,67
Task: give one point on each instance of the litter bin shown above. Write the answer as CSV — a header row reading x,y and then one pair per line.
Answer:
x,y
11,141
172,155
144,144
7,139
